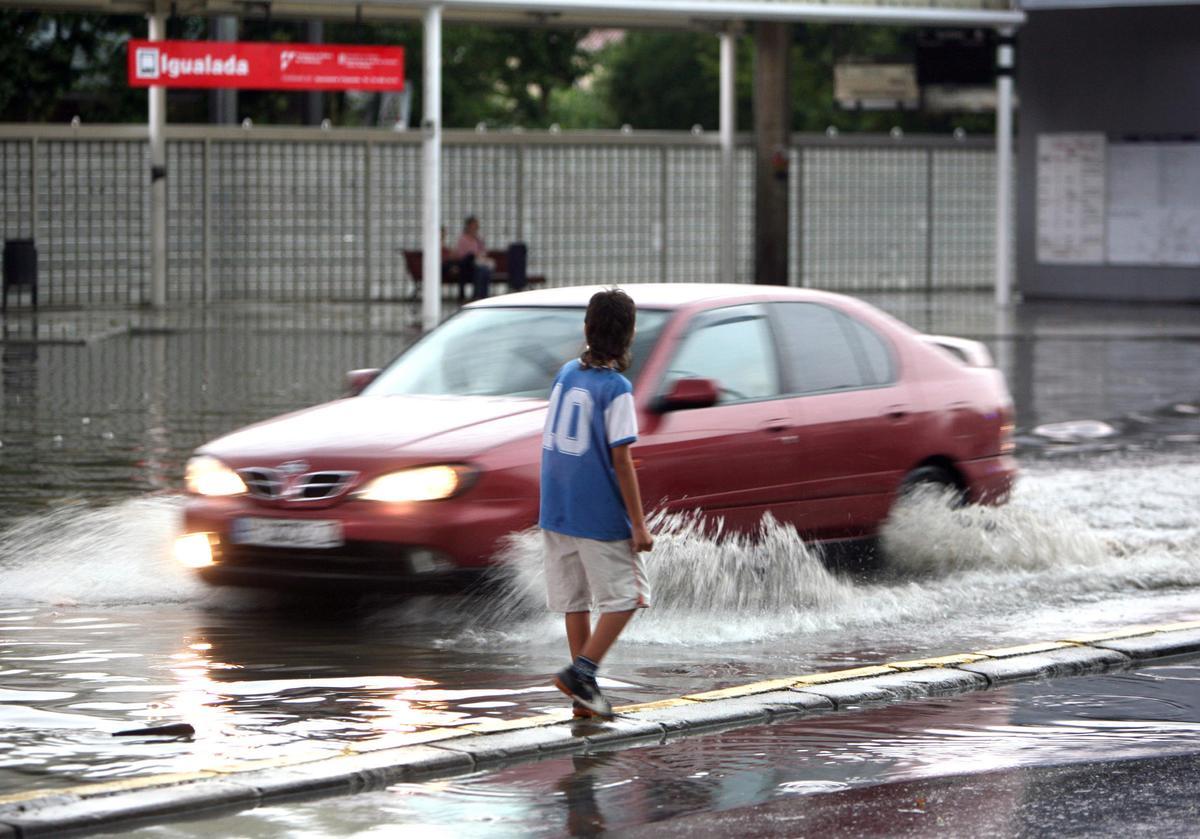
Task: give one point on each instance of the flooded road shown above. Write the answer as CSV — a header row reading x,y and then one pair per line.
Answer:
x,y
1091,756
100,631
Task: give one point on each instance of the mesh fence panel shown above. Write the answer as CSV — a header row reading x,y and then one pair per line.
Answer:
x,y
864,218
395,217
694,220
92,221
287,220
964,218
594,213
16,189
328,219
185,222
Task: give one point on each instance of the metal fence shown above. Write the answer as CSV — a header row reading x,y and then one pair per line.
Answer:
x,y
311,214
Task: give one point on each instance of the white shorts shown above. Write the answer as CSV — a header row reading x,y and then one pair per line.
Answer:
x,y
580,571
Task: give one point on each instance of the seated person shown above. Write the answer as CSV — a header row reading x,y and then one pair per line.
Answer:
x,y
449,262
470,243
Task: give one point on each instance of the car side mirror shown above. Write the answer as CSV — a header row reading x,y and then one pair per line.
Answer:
x,y
357,380
689,393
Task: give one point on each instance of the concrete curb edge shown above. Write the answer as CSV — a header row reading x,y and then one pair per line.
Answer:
x,y
443,752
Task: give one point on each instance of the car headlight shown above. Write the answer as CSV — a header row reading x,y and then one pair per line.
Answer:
x,y
424,483
209,476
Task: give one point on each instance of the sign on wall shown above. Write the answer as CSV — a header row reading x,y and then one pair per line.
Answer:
x,y
264,66
1070,198
1154,203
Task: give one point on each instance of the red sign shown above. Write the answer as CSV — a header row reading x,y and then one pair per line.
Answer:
x,y
264,66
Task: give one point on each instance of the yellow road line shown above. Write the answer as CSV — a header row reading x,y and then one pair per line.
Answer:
x,y
937,661
743,690
434,735
1024,649
652,706
844,675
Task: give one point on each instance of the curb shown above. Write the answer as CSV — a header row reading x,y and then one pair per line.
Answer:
x,y
441,752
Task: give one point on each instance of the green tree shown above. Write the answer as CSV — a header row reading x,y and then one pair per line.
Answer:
x,y
498,76
818,47
58,66
669,80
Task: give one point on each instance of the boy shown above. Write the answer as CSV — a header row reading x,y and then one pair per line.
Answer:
x,y
591,509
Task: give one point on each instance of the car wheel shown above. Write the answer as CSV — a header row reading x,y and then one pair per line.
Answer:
x,y
904,540
931,479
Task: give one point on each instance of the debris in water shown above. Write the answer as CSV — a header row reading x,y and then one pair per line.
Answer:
x,y
179,729
1075,431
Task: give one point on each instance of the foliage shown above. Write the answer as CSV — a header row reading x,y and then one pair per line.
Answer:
x,y
638,65
57,66
669,80
62,65
815,50
496,76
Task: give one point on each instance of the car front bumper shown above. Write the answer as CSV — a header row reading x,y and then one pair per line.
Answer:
x,y
411,546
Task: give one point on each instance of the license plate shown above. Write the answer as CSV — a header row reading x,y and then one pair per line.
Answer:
x,y
287,533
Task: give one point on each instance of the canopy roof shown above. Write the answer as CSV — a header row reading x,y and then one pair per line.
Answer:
x,y
600,13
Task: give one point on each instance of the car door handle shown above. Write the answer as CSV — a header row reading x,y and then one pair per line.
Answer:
x,y
896,412
780,427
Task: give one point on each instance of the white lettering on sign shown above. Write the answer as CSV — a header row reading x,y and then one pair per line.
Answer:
x,y
153,63
206,65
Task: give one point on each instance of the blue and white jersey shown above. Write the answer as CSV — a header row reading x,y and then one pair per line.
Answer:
x,y
591,410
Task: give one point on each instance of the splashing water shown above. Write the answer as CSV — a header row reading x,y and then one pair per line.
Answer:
x,y
928,535
1069,534
1065,536
117,555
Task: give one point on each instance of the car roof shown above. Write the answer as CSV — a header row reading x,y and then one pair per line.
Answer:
x,y
659,295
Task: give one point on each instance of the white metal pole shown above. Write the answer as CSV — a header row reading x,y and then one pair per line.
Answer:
x,y
1004,126
158,175
431,164
728,128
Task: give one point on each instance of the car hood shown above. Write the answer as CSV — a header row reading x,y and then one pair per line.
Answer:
x,y
372,426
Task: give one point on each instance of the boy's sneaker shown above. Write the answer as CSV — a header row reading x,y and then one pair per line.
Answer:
x,y
584,691
579,712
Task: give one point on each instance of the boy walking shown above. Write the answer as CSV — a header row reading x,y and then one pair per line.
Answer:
x,y
591,509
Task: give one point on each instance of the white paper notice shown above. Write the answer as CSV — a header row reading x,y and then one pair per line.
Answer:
x,y
1134,204
1181,203
1154,204
1070,198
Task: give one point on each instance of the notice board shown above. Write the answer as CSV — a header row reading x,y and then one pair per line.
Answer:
x,y
1119,203
1153,204
1070,198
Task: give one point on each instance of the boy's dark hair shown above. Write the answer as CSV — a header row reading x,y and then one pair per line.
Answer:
x,y
608,327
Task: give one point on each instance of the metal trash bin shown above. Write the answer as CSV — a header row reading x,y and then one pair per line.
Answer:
x,y
20,268
518,257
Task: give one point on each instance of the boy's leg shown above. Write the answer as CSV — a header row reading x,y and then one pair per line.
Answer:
x,y
579,630
608,628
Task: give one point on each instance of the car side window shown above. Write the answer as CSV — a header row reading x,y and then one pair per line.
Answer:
x,y
826,350
733,347
876,358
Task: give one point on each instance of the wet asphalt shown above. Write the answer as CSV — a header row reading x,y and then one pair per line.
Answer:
x,y
98,631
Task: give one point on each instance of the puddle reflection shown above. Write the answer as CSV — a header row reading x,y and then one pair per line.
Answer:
x,y
972,765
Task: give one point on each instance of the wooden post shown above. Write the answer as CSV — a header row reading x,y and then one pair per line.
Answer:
x,y
772,133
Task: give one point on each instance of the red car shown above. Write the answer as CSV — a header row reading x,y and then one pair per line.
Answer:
x,y
815,407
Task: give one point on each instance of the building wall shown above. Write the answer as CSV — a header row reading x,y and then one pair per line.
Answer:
x,y
1119,71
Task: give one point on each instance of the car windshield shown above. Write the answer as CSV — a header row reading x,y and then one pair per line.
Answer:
x,y
502,352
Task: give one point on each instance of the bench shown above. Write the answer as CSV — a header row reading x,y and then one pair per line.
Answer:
x,y
461,272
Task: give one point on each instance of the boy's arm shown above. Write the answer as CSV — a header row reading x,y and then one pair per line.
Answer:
x,y
627,480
